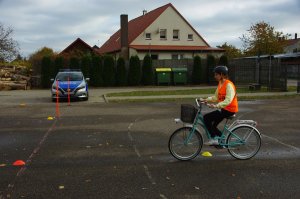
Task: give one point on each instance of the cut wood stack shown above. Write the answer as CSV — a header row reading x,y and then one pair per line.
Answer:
x,y
14,78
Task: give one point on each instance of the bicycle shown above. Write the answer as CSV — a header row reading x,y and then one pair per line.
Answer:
x,y
241,138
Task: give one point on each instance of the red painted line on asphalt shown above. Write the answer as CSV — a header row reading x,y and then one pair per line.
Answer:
x,y
28,161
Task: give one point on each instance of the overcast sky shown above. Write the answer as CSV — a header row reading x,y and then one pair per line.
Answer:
x,y
57,23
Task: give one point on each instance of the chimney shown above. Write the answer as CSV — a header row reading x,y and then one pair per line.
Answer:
x,y
296,36
144,12
124,37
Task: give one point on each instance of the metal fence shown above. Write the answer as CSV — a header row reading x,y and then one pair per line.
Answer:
x,y
265,72
269,72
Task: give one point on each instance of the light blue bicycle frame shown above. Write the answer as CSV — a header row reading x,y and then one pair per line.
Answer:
x,y
199,120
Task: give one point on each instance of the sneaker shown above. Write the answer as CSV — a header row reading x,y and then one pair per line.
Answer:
x,y
212,142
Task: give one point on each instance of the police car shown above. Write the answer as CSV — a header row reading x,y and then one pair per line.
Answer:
x,y
69,82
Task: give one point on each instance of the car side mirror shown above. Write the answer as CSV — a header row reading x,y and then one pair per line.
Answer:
x,y
52,80
87,79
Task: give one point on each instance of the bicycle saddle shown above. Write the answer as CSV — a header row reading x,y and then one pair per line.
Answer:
x,y
231,117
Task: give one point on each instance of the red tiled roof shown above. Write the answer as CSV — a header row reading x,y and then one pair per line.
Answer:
x,y
76,42
291,42
171,48
136,27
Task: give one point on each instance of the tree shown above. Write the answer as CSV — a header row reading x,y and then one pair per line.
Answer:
x,y
231,51
9,48
74,63
46,72
197,70
211,64
147,72
223,61
40,53
86,62
58,64
109,71
134,72
121,76
96,71
261,39
36,58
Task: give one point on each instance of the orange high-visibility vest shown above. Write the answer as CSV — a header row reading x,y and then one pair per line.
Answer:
x,y
233,106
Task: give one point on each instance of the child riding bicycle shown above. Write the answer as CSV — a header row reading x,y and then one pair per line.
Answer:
x,y
226,103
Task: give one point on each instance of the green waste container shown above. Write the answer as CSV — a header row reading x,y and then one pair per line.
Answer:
x,y
179,75
163,75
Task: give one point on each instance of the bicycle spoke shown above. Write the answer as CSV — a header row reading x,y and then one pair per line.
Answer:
x,y
185,144
244,142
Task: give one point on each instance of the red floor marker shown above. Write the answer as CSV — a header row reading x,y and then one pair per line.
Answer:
x,y
19,163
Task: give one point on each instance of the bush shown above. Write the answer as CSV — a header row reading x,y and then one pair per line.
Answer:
x,y
197,70
58,64
134,72
46,72
96,71
121,76
223,61
211,64
147,72
74,63
109,71
86,63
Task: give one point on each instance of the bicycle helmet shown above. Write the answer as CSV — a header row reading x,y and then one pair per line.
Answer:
x,y
221,70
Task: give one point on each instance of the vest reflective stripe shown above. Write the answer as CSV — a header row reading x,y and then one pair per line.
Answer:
x,y
233,106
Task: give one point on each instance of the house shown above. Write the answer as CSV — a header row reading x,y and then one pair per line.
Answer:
x,y
78,48
163,33
292,45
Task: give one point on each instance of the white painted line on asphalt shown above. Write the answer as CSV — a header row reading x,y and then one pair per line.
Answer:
x,y
149,174
280,142
130,125
136,151
163,196
130,136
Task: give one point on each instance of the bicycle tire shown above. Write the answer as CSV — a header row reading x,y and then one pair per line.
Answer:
x,y
249,147
182,151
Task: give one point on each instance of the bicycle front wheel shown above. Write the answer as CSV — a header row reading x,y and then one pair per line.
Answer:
x,y
185,145
244,142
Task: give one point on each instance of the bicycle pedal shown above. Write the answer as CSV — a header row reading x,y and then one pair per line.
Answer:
x,y
220,147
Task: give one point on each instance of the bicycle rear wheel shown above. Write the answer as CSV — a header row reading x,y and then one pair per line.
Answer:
x,y
244,142
184,145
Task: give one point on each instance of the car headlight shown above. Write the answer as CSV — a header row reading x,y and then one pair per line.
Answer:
x,y
81,87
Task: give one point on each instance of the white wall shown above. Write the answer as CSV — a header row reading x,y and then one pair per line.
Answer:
x,y
169,20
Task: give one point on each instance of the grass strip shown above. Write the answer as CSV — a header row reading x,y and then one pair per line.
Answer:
x,y
241,98
186,92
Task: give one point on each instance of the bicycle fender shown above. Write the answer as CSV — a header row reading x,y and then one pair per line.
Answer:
x,y
239,125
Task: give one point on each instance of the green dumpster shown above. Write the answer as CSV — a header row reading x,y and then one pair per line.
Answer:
x,y
179,75
163,75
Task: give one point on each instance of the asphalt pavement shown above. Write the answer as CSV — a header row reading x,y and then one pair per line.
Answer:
x,y
119,150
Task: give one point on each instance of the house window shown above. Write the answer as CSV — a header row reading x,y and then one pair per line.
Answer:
x,y
177,56
176,34
174,56
190,37
163,33
148,36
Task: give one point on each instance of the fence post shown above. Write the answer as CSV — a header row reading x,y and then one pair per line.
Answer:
x,y
298,80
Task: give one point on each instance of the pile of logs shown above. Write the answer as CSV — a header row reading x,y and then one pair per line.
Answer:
x,y
14,78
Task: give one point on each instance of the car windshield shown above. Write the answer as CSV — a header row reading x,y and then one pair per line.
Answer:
x,y
71,76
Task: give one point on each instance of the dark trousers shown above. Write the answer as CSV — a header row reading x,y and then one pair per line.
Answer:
x,y
212,120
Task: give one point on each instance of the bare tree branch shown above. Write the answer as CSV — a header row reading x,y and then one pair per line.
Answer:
x,y
9,48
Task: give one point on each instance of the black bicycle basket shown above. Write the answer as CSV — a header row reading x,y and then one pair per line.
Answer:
x,y
188,113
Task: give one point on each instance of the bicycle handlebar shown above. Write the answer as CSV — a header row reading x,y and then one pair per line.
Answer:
x,y
202,102
197,102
